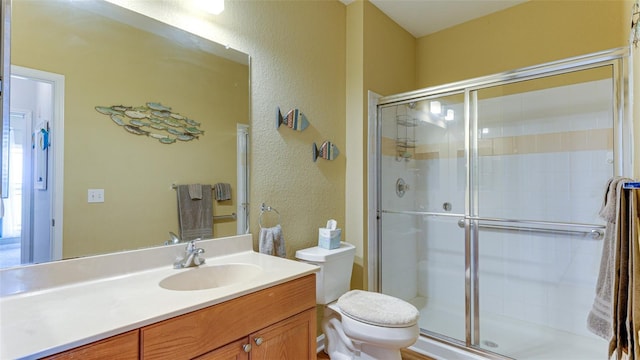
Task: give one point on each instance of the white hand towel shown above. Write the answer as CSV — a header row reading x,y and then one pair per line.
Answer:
x,y
271,241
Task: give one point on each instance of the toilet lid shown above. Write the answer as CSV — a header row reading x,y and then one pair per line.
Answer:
x,y
378,309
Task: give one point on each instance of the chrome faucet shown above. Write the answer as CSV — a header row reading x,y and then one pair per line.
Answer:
x,y
191,256
174,239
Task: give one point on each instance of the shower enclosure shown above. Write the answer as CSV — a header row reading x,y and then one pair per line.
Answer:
x,y
487,200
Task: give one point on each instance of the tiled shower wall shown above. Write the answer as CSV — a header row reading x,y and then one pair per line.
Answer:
x,y
543,155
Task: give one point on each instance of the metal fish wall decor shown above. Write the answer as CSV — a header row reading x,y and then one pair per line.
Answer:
x,y
295,119
327,151
153,120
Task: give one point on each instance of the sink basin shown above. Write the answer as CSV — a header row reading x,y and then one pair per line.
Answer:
x,y
211,276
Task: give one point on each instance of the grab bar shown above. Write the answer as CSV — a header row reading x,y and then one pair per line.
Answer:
x,y
596,233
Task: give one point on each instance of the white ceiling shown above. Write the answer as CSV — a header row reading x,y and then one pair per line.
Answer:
x,y
423,17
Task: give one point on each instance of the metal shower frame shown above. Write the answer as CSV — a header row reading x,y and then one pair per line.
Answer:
x,y
623,165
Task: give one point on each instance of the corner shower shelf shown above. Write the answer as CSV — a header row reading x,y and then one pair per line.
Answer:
x,y
405,137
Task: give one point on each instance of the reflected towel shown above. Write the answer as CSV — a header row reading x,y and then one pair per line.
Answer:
x,y
222,191
195,216
271,241
195,191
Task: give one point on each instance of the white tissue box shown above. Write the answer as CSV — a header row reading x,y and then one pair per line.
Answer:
x,y
329,239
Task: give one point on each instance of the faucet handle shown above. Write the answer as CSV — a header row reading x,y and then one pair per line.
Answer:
x,y
197,260
191,246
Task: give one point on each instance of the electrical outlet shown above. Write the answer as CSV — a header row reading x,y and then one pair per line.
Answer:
x,y
96,196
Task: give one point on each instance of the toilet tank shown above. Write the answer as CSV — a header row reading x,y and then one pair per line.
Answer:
x,y
334,277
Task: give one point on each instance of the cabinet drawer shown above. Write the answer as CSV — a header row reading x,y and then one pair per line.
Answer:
x,y
196,333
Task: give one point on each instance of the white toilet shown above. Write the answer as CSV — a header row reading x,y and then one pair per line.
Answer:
x,y
360,324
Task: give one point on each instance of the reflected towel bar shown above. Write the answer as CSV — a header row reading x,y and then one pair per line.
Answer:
x,y
222,217
596,233
232,216
175,187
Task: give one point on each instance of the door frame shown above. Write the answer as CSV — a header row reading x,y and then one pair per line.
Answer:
x,y
56,151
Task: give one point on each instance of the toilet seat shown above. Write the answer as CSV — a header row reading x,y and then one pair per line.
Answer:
x,y
378,309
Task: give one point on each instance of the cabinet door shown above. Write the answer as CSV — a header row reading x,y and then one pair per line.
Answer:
x,y
119,347
194,334
237,350
293,339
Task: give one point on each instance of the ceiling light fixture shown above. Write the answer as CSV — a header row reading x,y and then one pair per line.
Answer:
x,y
435,107
450,115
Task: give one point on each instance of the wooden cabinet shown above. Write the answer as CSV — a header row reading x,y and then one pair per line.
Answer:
x,y
281,318
119,347
274,323
288,339
237,350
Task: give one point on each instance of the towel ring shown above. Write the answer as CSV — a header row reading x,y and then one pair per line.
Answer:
x,y
264,208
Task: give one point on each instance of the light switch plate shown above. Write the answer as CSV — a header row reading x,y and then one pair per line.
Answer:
x,y
96,196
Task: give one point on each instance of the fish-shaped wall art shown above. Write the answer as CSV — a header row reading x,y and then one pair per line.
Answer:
x,y
295,119
327,151
153,120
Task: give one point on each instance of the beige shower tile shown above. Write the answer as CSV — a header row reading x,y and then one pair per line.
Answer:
x,y
575,140
524,144
549,143
599,139
503,146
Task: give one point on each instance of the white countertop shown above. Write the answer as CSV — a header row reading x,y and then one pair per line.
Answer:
x,y
47,320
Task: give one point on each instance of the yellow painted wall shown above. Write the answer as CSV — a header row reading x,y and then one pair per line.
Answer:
x,y
297,53
136,172
355,125
381,58
534,32
389,54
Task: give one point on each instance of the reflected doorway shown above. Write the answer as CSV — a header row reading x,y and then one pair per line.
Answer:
x,y
29,233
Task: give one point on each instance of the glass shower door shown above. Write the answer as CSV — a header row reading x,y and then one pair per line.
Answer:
x,y
543,152
422,191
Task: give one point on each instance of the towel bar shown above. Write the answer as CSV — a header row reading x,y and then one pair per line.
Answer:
x,y
175,187
596,233
222,217
264,208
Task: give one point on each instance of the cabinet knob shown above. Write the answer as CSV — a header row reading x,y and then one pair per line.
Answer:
x,y
246,347
258,341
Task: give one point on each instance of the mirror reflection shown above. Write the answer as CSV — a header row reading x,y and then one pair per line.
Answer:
x,y
81,185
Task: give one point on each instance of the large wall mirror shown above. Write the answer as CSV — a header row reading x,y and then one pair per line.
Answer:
x,y
67,58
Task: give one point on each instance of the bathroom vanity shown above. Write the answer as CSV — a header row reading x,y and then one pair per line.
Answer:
x,y
270,314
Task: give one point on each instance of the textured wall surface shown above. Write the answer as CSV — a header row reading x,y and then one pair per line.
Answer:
x,y
297,51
